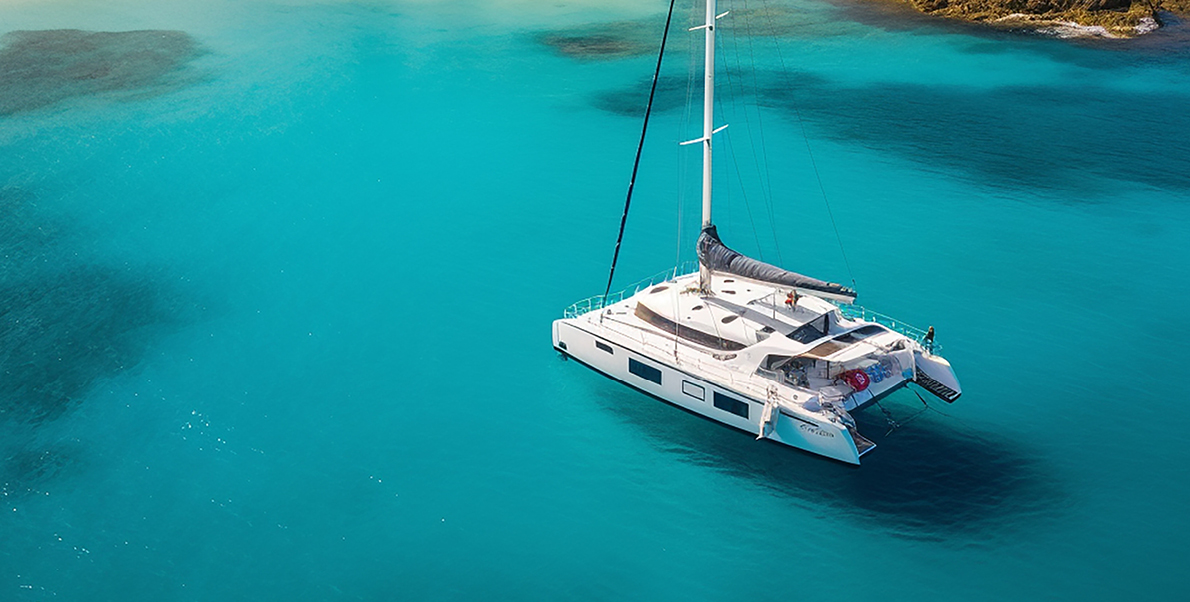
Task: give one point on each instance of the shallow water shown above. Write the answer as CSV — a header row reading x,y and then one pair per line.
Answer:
x,y
285,305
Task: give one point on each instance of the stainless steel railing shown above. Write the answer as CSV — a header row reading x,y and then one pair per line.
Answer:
x,y
599,302
859,312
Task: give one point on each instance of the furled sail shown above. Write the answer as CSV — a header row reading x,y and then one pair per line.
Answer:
x,y
715,255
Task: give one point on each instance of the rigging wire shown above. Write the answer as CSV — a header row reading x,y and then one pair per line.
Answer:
x,y
683,169
683,160
639,149
760,130
735,163
763,176
809,151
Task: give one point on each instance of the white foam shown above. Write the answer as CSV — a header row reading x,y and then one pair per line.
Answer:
x,y
1147,25
1070,29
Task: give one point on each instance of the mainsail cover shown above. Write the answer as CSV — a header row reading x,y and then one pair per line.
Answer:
x,y
715,255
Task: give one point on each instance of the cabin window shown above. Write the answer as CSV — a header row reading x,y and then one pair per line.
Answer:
x,y
775,362
693,390
607,348
730,404
730,319
810,331
644,371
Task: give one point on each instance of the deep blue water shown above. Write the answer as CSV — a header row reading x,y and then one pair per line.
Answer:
x,y
276,294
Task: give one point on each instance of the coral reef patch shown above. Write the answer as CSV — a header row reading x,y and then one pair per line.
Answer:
x,y
65,323
624,39
605,41
976,131
42,68
630,101
25,472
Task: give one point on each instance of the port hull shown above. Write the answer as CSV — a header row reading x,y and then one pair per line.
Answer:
x,y
714,401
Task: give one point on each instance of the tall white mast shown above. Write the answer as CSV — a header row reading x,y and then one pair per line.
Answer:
x,y
708,129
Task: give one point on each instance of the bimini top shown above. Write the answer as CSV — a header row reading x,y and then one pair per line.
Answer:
x,y
715,255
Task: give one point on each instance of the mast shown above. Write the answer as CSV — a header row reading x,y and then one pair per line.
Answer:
x,y
708,129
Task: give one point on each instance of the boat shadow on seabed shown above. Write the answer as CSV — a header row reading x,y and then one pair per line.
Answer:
x,y
925,480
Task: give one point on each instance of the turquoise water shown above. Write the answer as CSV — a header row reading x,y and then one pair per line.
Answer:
x,y
277,305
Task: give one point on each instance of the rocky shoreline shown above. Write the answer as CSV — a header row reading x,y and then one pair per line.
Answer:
x,y
1061,18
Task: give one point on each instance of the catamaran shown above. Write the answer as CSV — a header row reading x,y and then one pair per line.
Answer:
x,y
771,352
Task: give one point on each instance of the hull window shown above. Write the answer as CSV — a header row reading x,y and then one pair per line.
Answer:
x,y
693,390
644,371
730,404
603,347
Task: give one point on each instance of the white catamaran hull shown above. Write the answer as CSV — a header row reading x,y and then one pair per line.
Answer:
x,y
618,360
